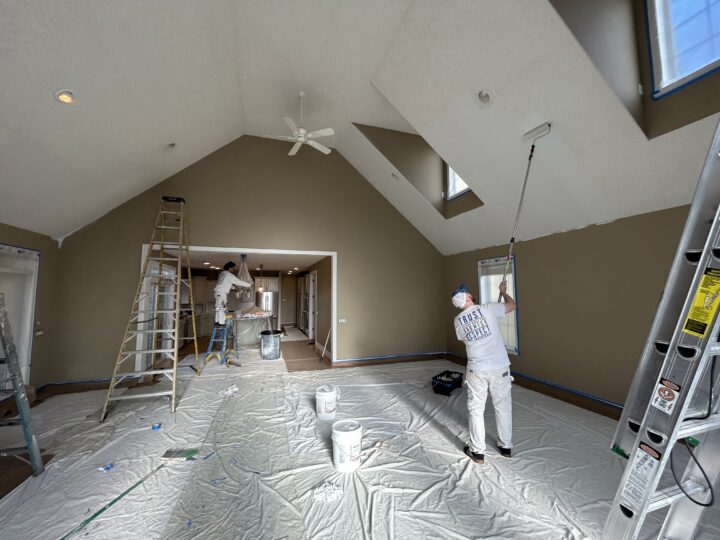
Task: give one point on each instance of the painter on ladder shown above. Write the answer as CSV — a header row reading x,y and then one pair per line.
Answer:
x,y
488,368
226,281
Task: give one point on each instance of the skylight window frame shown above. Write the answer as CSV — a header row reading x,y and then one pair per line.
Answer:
x,y
660,36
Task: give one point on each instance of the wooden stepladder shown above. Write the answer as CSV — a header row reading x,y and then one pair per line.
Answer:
x,y
152,336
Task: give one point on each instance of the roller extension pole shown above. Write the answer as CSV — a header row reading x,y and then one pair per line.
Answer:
x,y
535,134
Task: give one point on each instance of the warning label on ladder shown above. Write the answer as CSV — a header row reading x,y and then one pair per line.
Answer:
x,y
644,466
705,304
665,396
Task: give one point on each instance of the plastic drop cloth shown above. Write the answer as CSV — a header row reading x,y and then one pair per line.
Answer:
x,y
264,457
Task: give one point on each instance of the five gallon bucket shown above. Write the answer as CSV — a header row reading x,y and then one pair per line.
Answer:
x,y
326,398
347,443
270,344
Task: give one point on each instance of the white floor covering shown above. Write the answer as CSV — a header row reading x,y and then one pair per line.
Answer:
x,y
263,453
294,334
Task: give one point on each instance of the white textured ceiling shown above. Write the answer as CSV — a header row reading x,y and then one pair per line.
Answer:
x,y
146,74
201,73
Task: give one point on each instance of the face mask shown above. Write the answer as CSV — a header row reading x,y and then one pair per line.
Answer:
x,y
459,300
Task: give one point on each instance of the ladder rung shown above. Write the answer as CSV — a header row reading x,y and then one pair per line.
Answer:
x,y
163,258
172,228
154,311
169,212
10,422
139,396
713,348
142,373
694,427
171,245
665,497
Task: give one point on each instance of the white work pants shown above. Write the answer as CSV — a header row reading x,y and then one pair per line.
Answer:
x,y
498,383
220,308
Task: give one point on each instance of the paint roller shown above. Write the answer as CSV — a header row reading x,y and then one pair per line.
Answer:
x,y
532,135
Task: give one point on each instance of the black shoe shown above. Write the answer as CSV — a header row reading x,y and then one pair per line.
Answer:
x,y
504,452
477,458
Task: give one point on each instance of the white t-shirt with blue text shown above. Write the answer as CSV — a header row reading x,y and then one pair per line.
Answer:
x,y
477,326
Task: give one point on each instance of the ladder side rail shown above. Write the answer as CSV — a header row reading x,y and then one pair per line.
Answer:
x,y
192,300
133,308
704,204
31,442
178,289
158,280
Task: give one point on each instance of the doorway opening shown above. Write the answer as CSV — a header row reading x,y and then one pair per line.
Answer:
x,y
298,287
18,282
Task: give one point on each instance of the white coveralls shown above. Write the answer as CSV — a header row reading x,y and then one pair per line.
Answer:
x,y
488,369
225,282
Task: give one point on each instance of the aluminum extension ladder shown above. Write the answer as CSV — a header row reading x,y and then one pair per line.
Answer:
x,y
153,330
24,418
672,403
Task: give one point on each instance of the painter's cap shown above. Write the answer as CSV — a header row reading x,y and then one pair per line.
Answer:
x,y
462,288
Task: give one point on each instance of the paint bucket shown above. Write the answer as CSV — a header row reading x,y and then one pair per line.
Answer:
x,y
347,443
326,398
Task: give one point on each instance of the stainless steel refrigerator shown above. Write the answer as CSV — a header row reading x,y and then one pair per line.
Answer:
x,y
269,301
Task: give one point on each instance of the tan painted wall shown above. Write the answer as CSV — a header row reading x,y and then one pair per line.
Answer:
x,y
251,194
586,299
288,286
323,307
43,353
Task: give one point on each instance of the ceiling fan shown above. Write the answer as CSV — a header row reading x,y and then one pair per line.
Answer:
x,y
301,136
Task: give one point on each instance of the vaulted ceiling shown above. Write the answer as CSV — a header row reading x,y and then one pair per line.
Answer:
x,y
200,74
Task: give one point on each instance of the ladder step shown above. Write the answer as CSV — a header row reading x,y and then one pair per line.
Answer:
x,y
10,422
171,245
140,396
163,258
694,427
170,212
142,373
154,311
150,351
166,227
135,332
13,451
665,497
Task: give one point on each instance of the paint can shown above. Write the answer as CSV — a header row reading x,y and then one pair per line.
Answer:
x,y
326,398
347,443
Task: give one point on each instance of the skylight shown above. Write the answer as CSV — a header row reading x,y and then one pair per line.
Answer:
x,y
685,41
456,185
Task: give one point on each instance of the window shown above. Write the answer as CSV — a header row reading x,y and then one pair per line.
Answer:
x,y
456,185
490,273
684,40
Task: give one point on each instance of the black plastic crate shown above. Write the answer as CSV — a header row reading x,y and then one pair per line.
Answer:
x,y
447,381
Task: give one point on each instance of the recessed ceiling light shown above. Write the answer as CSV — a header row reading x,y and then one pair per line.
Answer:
x,y
296,268
289,271
206,263
65,96
258,269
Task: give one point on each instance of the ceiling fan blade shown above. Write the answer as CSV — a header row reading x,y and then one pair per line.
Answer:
x,y
279,137
294,149
290,123
321,133
324,149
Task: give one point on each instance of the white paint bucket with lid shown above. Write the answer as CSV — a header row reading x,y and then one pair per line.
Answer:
x,y
347,443
326,400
